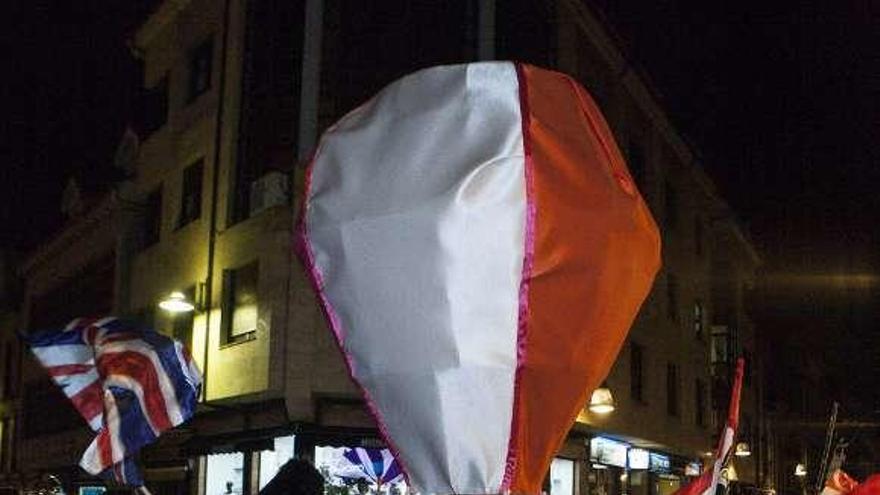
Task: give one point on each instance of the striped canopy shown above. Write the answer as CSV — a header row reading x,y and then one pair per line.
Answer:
x,y
480,251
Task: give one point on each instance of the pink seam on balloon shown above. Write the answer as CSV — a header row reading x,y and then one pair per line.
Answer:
x,y
528,262
302,247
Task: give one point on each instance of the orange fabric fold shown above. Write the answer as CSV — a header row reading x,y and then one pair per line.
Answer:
x,y
596,252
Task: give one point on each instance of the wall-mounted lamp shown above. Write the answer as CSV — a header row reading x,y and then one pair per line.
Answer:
x,y
176,302
800,470
602,401
742,450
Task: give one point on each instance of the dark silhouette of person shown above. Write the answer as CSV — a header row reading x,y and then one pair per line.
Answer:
x,y
296,477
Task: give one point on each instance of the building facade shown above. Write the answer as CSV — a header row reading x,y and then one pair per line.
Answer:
x,y
236,93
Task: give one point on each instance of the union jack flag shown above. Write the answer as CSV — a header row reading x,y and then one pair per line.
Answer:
x,y
129,384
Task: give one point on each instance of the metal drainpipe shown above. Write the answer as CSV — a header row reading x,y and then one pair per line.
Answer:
x,y
215,179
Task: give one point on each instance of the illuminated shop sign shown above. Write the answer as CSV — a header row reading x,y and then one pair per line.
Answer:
x,y
659,463
607,451
692,469
638,459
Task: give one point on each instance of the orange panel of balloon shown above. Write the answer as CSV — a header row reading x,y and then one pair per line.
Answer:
x,y
480,251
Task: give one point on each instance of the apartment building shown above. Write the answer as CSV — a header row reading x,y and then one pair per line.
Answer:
x,y
236,93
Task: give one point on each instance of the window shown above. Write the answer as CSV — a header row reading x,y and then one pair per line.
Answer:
x,y
240,303
671,195
271,461
191,197
720,350
672,297
152,218
636,364
410,36
699,319
561,476
224,474
672,389
698,235
200,69
700,402
269,119
182,326
154,107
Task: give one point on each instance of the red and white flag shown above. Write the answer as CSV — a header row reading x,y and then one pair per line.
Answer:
x,y
708,481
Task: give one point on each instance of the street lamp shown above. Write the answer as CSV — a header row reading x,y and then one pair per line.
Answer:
x,y
601,402
176,303
742,450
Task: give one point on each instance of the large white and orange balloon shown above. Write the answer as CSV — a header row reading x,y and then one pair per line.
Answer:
x,y
480,251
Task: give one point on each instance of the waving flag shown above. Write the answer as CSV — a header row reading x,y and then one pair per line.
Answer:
x,y
480,251
839,483
708,481
129,385
377,465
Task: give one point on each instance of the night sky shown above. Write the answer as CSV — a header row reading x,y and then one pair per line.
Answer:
x,y
69,81
782,100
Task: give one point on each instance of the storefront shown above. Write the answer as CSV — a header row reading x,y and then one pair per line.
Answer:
x,y
227,473
608,462
618,468
563,476
638,479
663,480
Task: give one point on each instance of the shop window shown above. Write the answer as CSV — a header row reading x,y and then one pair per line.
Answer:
x,y
562,477
271,461
636,369
672,389
224,474
200,70
191,193
240,304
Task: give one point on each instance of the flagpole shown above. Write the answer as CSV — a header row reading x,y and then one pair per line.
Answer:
x,y
822,473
